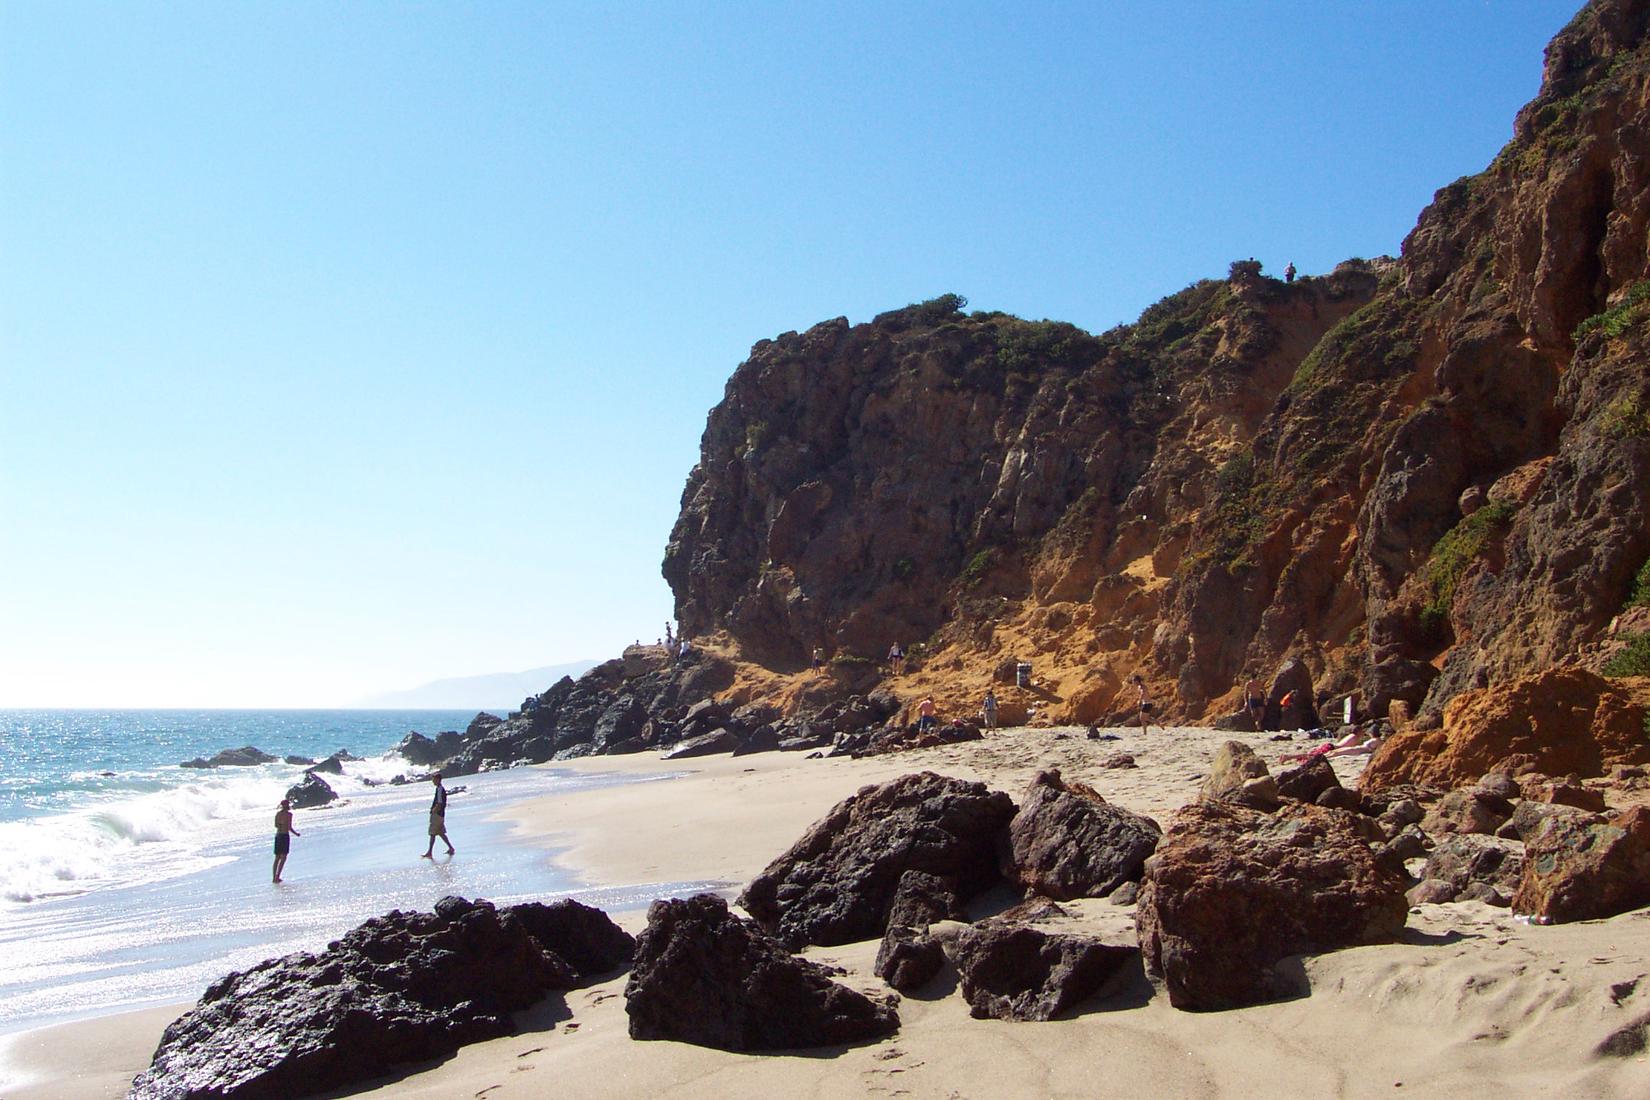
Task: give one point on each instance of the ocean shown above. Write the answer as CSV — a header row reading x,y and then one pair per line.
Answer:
x,y
126,880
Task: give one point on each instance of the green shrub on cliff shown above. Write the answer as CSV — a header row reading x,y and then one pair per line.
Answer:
x,y
1458,548
1640,596
1023,347
1633,659
1626,418
1632,310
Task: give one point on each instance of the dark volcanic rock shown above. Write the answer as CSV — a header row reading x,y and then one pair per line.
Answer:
x,y
245,757
908,957
1022,973
424,751
837,883
921,899
1068,842
1233,891
301,761
332,765
587,938
310,792
701,975
404,987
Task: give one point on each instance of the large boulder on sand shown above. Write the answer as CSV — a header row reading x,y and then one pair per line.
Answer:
x,y
1238,774
1307,781
837,883
401,988
701,975
1232,891
585,936
1559,721
1068,842
1015,972
1580,868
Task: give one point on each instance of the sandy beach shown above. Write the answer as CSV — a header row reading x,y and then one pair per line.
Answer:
x,y
1470,1000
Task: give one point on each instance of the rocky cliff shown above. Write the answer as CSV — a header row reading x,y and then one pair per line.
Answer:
x,y
1418,475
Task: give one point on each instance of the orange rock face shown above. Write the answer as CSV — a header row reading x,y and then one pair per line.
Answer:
x,y
1562,721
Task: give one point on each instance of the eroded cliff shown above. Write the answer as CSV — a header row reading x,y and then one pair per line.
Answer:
x,y
1418,476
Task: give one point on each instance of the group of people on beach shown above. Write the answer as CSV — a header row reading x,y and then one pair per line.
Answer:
x,y
284,832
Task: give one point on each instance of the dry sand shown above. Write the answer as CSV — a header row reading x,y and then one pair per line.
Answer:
x,y
1471,1001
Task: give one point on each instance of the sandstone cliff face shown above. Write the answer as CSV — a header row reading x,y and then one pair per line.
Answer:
x,y
1419,476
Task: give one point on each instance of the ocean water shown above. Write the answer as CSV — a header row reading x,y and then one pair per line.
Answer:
x,y
126,880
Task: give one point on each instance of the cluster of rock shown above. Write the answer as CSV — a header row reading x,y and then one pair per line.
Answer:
x,y
398,989
310,792
651,701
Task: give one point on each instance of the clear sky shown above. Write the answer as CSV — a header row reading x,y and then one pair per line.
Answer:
x,y
347,346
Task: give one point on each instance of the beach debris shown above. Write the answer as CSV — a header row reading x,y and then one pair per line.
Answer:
x,y
1066,841
701,975
403,987
1237,774
1580,869
1016,972
1231,892
837,883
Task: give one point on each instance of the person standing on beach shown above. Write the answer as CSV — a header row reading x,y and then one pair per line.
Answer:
x,y
284,832
438,818
1255,702
988,709
925,715
1143,703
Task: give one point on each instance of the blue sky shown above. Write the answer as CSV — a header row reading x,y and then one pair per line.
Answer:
x,y
345,347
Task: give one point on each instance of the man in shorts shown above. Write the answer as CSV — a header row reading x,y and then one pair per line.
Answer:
x,y
438,818
284,832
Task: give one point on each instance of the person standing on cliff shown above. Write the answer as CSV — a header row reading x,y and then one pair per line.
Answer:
x,y
1289,272
1143,703
925,715
438,818
284,832
896,658
819,657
